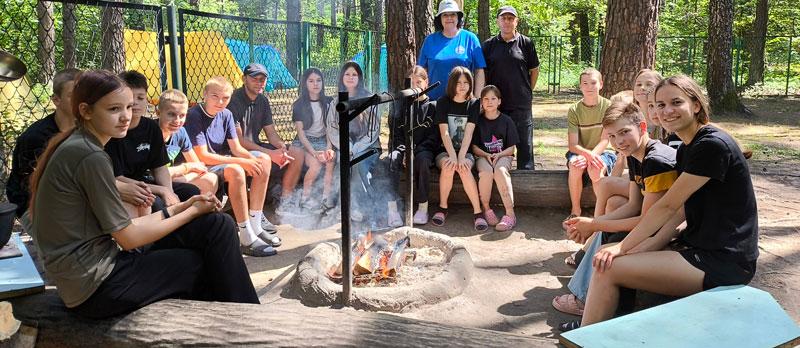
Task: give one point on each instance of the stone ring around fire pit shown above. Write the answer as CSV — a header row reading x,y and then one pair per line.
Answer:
x,y
312,282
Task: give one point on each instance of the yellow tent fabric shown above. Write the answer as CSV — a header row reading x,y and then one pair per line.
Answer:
x,y
207,56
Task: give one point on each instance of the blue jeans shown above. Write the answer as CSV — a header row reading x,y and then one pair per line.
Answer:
x,y
579,284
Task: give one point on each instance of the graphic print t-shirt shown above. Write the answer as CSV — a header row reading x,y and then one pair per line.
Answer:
x,y
494,136
456,116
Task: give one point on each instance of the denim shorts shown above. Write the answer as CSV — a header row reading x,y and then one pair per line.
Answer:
x,y
318,143
608,158
219,169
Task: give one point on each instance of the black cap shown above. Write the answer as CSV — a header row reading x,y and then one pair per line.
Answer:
x,y
255,69
507,9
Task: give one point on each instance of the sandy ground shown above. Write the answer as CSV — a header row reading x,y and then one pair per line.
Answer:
x,y
518,273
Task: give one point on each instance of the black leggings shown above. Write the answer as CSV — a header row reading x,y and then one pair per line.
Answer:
x,y
423,161
198,261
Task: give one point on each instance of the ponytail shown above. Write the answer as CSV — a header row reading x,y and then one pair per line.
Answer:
x,y
41,164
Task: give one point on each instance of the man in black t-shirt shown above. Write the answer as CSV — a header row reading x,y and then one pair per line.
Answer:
x,y
32,142
513,66
252,113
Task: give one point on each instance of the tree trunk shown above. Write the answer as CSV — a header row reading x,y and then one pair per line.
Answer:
x,y
113,47
294,15
586,40
68,35
719,81
423,22
574,36
46,35
333,12
346,25
367,15
630,42
399,41
756,44
483,20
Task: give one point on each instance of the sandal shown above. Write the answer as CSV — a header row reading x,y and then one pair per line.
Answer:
x,y
491,217
480,224
438,218
506,224
257,251
570,261
568,303
569,326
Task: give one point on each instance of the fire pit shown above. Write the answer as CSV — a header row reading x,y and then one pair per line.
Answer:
x,y
395,271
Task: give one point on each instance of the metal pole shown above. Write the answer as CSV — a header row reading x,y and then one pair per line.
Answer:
x,y
162,58
250,41
788,68
344,193
177,77
183,51
409,136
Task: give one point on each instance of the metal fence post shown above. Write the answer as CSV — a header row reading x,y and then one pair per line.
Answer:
x,y
177,81
160,41
367,38
250,40
788,68
305,46
183,53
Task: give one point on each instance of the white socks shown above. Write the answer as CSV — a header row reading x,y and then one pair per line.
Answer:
x,y
423,207
392,206
255,220
246,235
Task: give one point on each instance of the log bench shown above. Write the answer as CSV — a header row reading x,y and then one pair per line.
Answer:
x,y
182,322
532,188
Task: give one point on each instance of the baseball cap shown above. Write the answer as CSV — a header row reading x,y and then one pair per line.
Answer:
x,y
255,69
507,9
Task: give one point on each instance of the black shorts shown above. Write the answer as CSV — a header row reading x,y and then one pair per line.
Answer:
x,y
720,269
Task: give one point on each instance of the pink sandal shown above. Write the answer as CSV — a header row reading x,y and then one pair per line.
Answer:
x,y
506,223
491,217
568,303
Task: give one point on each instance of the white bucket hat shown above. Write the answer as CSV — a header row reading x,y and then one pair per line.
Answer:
x,y
449,6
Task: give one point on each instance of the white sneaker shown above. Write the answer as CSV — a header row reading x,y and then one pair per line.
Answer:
x,y
395,220
420,217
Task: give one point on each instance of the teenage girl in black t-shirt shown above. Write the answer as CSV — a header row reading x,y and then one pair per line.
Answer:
x,y
719,245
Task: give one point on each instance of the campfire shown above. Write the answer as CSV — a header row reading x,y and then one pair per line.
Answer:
x,y
376,260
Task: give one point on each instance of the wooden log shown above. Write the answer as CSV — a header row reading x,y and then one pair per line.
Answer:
x,y
181,323
532,188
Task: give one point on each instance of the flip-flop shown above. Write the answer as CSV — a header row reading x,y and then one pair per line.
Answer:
x,y
569,326
567,303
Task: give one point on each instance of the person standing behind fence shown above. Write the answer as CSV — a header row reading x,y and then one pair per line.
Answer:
x,y
86,238
252,113
32,142
513,66
451,46
213,134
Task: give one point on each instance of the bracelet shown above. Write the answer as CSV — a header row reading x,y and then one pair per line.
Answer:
x,y
165,212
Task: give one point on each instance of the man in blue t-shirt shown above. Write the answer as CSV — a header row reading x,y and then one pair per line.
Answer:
x,y
212,130
450,46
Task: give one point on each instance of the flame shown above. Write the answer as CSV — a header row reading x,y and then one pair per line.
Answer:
x,y
384,265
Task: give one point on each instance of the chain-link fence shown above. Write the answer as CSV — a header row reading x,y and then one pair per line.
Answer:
x,y
53,35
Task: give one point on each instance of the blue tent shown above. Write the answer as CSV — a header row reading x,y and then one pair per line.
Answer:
x,y
279,75
383,78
